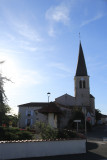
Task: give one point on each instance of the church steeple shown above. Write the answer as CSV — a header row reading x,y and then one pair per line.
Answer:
x,y
81,66
81,79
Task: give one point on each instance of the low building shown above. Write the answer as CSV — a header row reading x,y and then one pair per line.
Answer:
x,y
29,115
104,119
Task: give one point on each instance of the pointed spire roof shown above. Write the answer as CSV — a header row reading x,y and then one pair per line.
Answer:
x,y
81,66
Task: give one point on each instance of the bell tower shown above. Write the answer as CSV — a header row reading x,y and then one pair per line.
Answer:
x,y
81,79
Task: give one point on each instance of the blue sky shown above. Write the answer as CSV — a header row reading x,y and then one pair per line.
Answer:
x,y
39,41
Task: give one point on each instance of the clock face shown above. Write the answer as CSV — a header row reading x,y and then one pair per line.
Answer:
x,y
82,78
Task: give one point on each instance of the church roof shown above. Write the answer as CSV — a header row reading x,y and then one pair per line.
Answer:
x,y
81,66
34,104
50,108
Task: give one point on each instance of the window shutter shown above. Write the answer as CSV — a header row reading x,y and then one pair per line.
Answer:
x,y
25,121
26,112
32,113
31,121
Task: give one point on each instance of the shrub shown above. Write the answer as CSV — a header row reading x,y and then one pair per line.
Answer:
x,y
14,134
2,133
45,131
66,134
23,135
12,130
10,136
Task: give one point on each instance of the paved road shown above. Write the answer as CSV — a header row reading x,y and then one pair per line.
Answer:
x,y
96,147
98,132
96,150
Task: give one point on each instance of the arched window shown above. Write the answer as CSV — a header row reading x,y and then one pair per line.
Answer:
x,y
83,83
80,84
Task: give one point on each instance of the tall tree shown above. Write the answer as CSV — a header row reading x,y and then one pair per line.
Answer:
x,y
4,108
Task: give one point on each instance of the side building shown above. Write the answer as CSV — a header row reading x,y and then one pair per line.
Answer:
x,y
28,114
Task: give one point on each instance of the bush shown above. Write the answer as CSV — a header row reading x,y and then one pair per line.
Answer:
x,y
14,134
12,130
23,135
45,131
66,134
10,136
2,133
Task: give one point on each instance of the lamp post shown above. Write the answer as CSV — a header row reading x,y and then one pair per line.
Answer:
x,y
48,94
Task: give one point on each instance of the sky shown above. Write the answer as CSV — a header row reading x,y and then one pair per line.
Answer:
x,y
39,42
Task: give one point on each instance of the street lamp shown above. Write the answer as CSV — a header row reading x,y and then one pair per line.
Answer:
x,y
48,94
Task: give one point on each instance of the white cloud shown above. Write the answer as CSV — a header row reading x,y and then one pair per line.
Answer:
x,y
27,32
60,66
30,48
51,31
6,51
98,16
22,26
58,14
62,75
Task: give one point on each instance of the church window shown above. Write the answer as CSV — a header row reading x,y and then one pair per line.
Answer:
x,y
84,84
80,83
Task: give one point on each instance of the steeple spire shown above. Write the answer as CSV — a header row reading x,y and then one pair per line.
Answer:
x,y
81,66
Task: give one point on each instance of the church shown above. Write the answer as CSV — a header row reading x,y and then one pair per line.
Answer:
x,y
51,113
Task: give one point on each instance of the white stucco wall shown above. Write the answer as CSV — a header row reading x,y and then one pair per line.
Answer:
x,y
52,120
40,149
34,118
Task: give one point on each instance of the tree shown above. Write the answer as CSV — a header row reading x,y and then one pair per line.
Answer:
x,y
97,114
76,114
13,120
4,108
3,117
